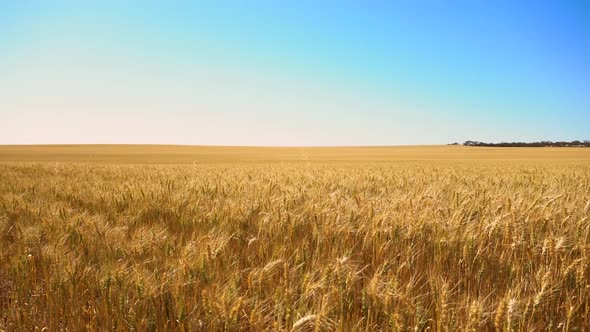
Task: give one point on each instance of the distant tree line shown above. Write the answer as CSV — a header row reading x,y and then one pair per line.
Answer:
x,y
584,143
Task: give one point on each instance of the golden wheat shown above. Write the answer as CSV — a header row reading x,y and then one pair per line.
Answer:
x,y
291,245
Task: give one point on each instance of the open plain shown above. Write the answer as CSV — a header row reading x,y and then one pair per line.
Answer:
x,y
187,238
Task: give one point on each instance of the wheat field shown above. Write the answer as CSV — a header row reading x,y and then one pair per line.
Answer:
x,y
154,238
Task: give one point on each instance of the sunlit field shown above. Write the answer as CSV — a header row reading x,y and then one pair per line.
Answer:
x,y
327,239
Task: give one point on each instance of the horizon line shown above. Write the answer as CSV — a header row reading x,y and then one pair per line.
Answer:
x,y
220,145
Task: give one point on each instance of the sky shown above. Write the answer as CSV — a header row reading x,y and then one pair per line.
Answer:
x,y
293,73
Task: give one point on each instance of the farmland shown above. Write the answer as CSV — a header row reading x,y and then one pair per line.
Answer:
x,y
234,238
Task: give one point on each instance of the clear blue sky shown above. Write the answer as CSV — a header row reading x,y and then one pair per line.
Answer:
x,y
294,72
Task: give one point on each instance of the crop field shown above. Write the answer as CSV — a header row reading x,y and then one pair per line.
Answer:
x,y
147,238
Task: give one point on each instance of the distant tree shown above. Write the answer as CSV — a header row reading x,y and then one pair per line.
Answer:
x,y
577,143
